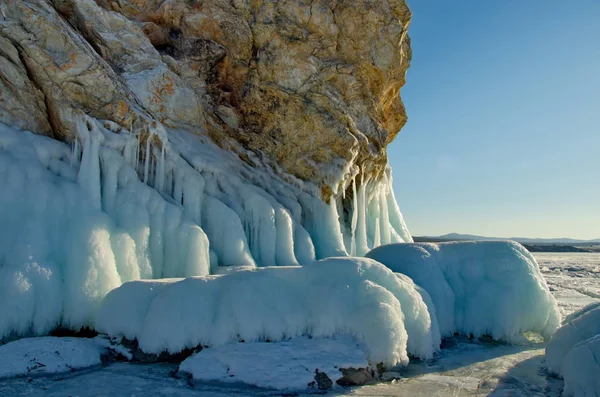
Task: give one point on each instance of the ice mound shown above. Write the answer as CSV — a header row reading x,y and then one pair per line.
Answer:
x,y
47,355
357,297
478,288
574,353
286,365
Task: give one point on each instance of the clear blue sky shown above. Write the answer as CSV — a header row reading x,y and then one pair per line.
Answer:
x,y
503,133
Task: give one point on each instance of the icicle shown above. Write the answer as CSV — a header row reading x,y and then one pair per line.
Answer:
x,y
89,170
75,155
192,190
159,178
373,214
178,186
169,180
152,176
111,163
354,217
136,165
129,151
361,227
384,220
377,237
147,157
396,219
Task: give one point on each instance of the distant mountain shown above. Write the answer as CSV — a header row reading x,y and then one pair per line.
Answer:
x,y
522,240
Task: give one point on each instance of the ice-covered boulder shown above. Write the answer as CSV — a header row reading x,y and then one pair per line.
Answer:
x,y
574,353
358,297
580,369
578,328
48,355
478,288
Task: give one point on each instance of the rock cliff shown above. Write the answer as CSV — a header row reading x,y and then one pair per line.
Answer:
x,y
294,100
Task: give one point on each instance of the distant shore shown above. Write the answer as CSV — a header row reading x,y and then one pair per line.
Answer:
x,y
541,247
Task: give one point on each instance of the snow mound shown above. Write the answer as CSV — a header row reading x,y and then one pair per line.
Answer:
x,y
357,297
285,365
47,355
581,326
479,287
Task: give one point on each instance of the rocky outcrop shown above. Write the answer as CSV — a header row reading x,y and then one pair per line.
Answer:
x,y
273,114
313,86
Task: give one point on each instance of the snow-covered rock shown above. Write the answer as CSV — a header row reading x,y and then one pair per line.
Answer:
x,y
332,297
478,288
47,355
284,365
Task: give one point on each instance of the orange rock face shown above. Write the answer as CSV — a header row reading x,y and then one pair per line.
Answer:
x,y
311,86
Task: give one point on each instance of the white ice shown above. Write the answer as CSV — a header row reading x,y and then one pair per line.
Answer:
x,y
286,365
47,355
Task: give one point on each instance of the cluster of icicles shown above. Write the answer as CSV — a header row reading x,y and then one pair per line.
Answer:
x,y
231,214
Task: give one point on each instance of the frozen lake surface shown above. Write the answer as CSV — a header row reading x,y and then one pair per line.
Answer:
x,y
464,367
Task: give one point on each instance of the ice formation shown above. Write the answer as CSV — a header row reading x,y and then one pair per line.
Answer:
x,y
581,368
337,296
47,355
287,365
573,347
478,288
115,206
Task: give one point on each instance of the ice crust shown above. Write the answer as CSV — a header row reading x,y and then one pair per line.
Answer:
x,y
478,288
574,352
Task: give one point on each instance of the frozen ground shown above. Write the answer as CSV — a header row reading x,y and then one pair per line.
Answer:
x,y
573,278
464,368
